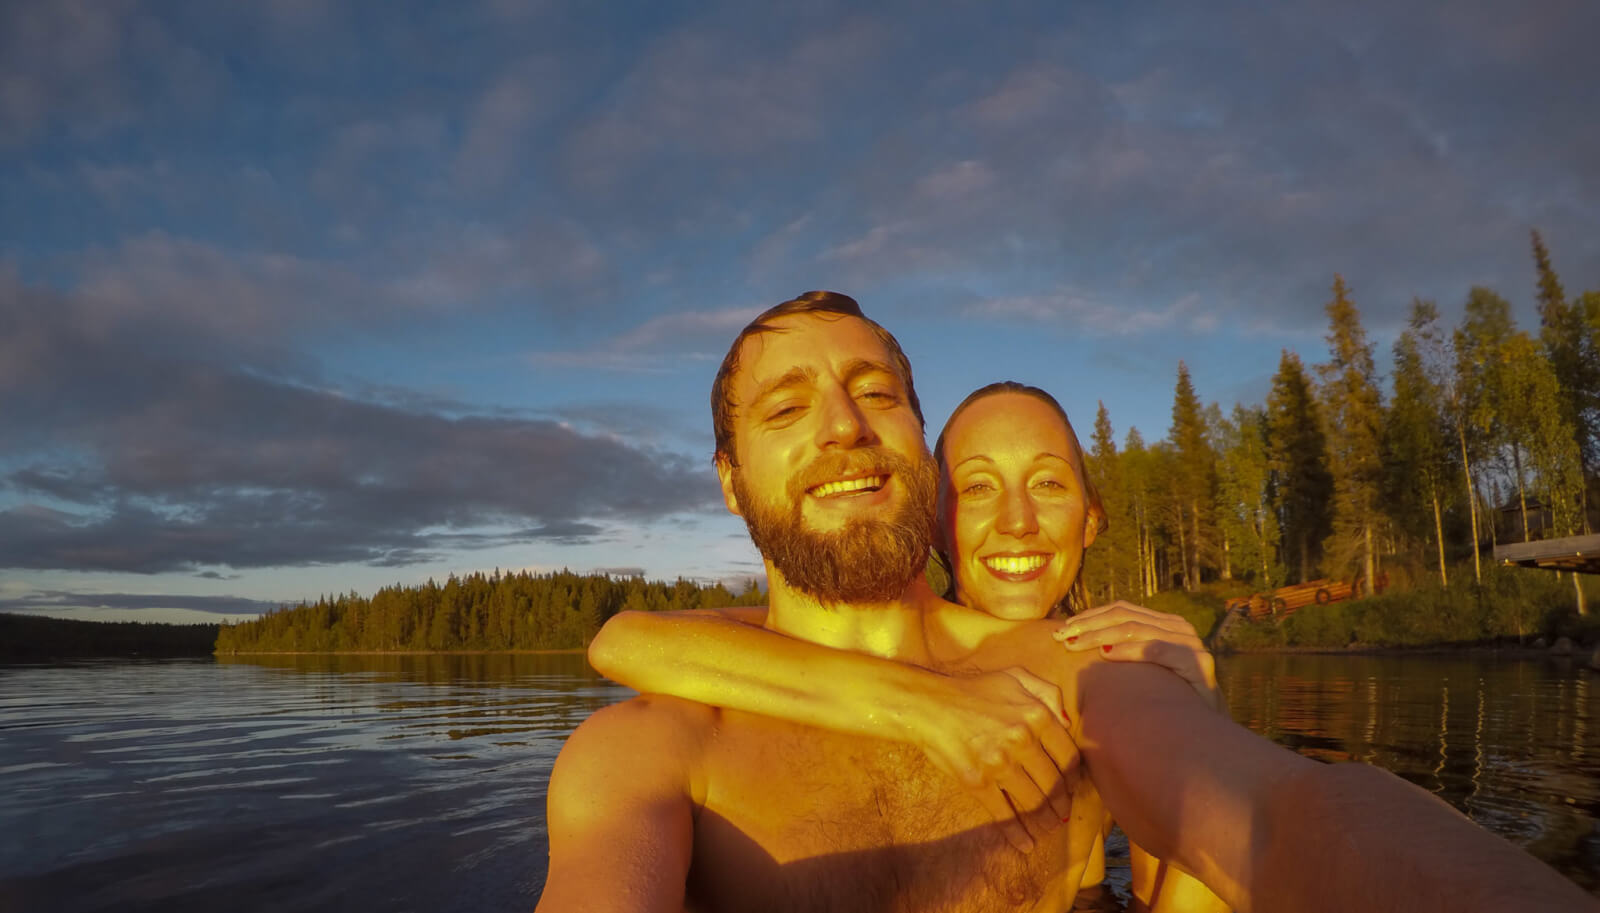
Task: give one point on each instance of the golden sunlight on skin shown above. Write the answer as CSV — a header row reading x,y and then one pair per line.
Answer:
x,y
1012,506
805,397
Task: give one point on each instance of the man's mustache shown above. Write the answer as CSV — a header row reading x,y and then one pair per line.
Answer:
x,y
863,461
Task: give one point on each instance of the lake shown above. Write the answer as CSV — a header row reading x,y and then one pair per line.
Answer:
x,y
316,783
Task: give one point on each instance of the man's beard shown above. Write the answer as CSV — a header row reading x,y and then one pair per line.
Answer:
x,y
869,559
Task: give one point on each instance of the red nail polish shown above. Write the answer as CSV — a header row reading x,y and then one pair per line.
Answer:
x,y
1065,717
1073,639
1105,648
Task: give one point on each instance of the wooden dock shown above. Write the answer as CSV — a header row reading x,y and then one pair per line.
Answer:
x,y
1573,553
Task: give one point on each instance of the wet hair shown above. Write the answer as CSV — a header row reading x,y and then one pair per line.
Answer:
x,y
826,305
1077,598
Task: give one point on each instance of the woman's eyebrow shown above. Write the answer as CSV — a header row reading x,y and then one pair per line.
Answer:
x,y
976,456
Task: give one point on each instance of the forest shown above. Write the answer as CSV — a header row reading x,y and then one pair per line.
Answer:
x,y
478,612
1484,433
36,637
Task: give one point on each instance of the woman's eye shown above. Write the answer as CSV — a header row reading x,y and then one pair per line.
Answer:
x,y
977,488
1049,483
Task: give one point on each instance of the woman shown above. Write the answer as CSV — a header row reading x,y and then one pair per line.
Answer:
x,y
1015,515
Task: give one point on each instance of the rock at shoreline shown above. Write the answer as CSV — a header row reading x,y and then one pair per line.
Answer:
x,y
1540,644
1562,647
1594,659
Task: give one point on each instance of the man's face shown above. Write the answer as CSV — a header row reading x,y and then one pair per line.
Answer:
x,y
833,477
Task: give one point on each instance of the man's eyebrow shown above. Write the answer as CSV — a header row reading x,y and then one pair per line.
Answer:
x,y
794,377
859,366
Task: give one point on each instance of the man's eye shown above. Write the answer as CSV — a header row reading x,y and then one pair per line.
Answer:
x,y
881,397
785,412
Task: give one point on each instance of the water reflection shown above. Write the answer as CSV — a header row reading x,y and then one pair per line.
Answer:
x,y
310,783
1507,742
296,783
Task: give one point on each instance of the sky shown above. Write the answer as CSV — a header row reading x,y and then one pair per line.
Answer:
x,y
301,297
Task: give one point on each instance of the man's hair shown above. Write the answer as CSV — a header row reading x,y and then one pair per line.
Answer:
x,y
820,304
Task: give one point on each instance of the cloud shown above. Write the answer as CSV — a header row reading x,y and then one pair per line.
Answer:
x,y
128,453
55,600
657,344
1084,313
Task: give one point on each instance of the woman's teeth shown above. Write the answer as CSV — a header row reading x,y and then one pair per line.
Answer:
x,y
829,489
1015,564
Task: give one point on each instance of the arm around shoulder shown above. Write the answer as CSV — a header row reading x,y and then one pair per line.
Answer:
x,y
620,811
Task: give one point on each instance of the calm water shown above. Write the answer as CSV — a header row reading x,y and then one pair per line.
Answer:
x,y
417,783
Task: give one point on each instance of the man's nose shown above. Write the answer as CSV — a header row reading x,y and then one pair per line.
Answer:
x,y
843,423
1017,514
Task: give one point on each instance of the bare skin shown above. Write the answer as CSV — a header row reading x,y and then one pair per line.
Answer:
x,y
985,730
786,817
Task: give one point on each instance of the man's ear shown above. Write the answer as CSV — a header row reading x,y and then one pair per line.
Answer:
x,y
725,477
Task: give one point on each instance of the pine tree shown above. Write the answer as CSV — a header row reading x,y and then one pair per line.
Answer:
x,y
1244,506
1117,547
1417,435
1297,460
1574,357
1354,414
1194,476
1479,381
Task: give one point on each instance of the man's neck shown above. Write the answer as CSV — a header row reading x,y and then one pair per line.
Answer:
x,y
893,630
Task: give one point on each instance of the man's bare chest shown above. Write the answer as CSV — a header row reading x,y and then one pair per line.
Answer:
x,y
799,819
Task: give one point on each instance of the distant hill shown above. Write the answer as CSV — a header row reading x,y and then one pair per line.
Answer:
x,y
38,637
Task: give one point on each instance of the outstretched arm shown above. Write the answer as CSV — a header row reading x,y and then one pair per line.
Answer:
x,y
1267,829
998,731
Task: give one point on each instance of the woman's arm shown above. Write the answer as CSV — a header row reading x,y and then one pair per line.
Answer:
x,y
1001,730
1124,632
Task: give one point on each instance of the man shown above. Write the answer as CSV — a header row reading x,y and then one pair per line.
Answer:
x,y
658,804
663,804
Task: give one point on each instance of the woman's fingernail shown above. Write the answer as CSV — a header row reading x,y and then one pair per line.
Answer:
x,y
1065,717
1073,639
1105,648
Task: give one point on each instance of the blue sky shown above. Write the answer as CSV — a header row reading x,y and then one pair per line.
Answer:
x,y
302,297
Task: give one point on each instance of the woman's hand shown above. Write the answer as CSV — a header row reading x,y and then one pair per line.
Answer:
x,y
1004,735
1124,632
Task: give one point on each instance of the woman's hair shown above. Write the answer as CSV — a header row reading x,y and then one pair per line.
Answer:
x,y
1077,598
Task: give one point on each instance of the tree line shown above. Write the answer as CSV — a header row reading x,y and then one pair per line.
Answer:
x,y
489,612
1487,433
38,637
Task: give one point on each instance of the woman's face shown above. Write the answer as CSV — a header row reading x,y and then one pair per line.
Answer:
x,y
1013,512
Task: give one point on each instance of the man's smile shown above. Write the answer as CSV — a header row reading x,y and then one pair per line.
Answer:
x,y
846,487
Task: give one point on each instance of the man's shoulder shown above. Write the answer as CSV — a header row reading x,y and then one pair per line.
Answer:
x,y
652,743
658,721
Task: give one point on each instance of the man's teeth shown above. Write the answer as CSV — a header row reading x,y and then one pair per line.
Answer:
x,y
1016,564
829,489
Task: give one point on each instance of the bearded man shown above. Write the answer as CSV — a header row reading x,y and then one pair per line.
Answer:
x,y
664,804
